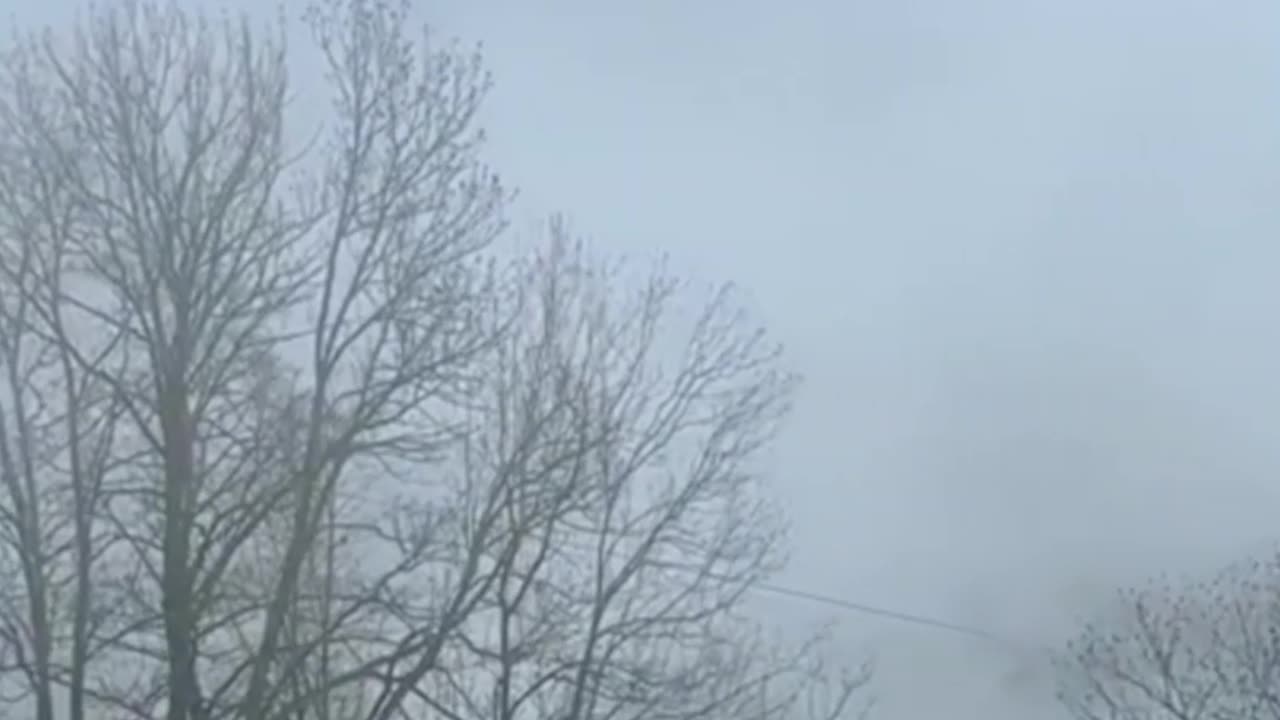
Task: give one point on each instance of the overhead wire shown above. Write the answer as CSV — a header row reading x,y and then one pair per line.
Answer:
x,y
971,631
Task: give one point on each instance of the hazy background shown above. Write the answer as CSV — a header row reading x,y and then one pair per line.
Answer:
x,y
1024,251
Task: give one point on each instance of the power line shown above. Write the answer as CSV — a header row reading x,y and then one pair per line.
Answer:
x,y
911,618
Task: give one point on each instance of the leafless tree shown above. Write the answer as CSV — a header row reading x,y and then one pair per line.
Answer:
x,y
264,329
1207,650
280,439
621,453
57,420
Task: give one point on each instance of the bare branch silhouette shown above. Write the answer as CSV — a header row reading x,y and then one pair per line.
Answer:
x,y
282,437
1187,650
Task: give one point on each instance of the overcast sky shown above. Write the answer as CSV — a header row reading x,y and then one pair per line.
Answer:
x,y
1025,253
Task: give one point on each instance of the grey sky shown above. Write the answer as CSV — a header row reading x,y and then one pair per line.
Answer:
x,y
1024,252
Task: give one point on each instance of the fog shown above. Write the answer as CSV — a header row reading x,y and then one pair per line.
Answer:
x,y
1023,253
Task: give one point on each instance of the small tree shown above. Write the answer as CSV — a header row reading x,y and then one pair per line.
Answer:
x,y
1188,651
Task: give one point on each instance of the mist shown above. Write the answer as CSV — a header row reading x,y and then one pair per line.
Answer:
x,y
1022,253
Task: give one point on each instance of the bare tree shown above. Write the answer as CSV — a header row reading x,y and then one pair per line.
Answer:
x,y
1206,650
622,457
57,422
263,331
280,439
